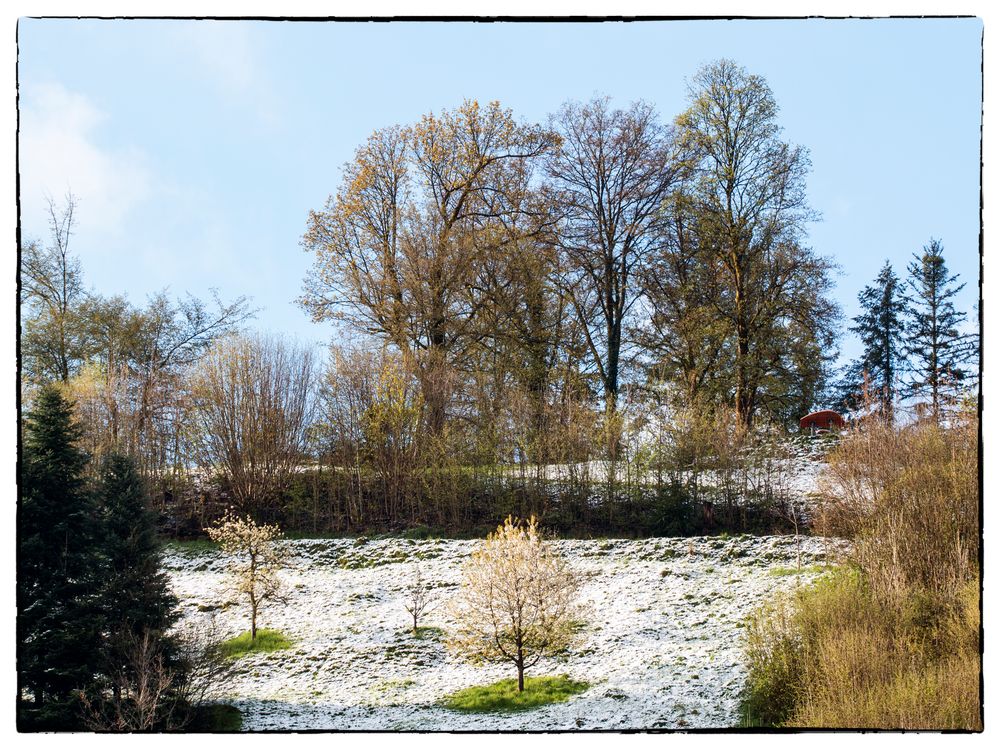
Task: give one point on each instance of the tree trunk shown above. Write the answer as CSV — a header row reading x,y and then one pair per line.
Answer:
x,y
520,678
744,390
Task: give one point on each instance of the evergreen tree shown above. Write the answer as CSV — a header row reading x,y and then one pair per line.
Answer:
x,y
881,327
137,595
58,566
936,348
137,603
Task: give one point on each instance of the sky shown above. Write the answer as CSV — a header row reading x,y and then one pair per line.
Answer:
x,y
197,148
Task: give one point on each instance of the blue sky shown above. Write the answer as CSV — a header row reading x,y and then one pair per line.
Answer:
x,y
198,148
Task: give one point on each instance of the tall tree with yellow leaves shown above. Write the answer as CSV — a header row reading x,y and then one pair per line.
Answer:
x,y
405,248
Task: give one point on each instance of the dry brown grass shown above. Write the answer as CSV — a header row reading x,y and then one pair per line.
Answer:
x,y
878,667
833,656
891,641
909,499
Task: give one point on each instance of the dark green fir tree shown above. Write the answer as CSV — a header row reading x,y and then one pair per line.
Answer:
x,y
59,570
938,351
881,326
137,595
138,605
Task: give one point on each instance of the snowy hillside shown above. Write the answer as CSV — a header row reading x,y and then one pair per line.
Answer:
x,y
661,645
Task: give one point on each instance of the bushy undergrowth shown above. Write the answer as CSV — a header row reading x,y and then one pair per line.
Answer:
x,y
503,695
216,717
891,640
833,656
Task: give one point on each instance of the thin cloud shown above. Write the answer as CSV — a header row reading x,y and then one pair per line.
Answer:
x,y
228,57
59,152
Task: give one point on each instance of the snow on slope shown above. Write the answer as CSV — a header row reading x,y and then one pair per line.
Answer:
x,y
662,644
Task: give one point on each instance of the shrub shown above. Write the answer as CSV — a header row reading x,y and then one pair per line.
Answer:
x,y
892,643
833,655
910,500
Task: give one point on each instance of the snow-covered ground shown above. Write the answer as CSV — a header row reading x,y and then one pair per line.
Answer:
x,y
794,469
661,646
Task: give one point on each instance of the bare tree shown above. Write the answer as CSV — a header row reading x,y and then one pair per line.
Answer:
x,y
254,561
517,601
204,666
132,396
141,700
51,288
254,404
608,179
419,599
123,364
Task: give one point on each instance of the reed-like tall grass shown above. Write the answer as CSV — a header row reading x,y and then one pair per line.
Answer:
x,y
892,639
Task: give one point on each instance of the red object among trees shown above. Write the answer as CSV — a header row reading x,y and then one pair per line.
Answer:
x,y
826,419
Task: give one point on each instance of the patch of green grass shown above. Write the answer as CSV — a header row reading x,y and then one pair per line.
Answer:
x,y
266,641
796,571
216,717
423,632
427,631
418,532
357,559
503,696
358,596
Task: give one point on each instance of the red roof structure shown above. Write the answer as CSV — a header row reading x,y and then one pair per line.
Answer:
x,y
826,419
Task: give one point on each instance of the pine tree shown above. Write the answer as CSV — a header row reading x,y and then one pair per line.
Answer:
x,y
935,346
58,565
881,327
137,596
136,600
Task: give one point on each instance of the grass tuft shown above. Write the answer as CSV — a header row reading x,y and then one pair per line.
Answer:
x,y
427,631
503,696
804,570
266,641
833,656
190,546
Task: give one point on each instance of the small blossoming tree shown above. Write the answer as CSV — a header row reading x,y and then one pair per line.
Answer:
x,y
517,600
254,561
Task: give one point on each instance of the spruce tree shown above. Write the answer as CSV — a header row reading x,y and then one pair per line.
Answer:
x,y
136,599
881,326
58,563
137,595
936,348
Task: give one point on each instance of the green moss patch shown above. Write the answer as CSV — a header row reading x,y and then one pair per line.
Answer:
x,y
503,695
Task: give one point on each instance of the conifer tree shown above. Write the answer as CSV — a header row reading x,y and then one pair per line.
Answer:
x,y
881,326
137,596
936,348
58,565
136,600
